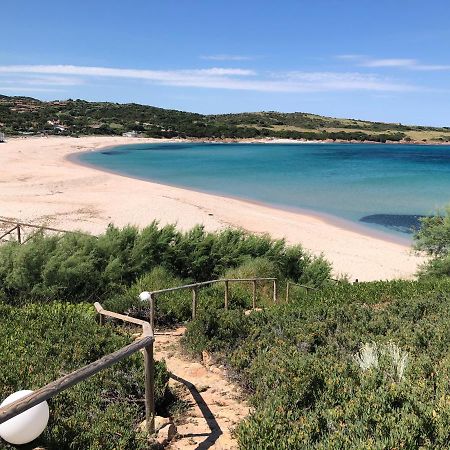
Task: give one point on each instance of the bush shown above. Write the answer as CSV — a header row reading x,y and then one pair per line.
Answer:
x,y
433,238
309,389
40,343
76,267
170,308
241,294
44,339
216,330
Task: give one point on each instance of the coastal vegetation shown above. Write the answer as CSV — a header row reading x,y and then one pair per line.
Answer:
x,y
433,238
49,325
354,366
361,366
24,115
79,267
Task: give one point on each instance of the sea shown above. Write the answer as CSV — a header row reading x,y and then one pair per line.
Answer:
x,y
383,187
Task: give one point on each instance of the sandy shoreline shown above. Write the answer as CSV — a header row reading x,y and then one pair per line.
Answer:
x,y
40,184
329,219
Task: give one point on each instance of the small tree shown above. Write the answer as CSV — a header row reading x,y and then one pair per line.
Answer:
x,y
433,238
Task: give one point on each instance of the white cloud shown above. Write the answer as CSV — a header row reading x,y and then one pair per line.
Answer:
x,y
55,81
343,81
224,78
411,64
433,67
121,73
401,63
392,62
27,89
219,71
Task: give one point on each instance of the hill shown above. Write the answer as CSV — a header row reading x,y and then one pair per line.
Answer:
x,y
25,115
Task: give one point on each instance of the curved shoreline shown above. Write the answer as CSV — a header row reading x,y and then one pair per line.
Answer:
x,y
40,184
330,219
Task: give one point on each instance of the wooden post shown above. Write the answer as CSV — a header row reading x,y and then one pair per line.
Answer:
x,y
152,301
274,291
19,238
254,294
287,292
101,319
226,294
194,302
149,388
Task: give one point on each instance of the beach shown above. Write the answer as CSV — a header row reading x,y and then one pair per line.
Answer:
x,y
41,184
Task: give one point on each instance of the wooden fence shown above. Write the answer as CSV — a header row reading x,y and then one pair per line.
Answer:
x,y
306,288
196,286
20,231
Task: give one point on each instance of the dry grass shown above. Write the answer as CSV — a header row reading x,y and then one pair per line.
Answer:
x,y
415,135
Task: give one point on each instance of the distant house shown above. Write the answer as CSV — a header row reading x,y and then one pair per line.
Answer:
x,y
57,126
130,134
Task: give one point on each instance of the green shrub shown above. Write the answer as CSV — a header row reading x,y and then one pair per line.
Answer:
x,y
21,267
308,389
215,330
241,294
433,238
40,343
75,267
170,308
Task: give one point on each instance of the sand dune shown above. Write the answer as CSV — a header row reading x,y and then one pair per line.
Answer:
x,y
39,184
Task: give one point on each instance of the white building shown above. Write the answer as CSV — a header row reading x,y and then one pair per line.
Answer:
x,y
130,134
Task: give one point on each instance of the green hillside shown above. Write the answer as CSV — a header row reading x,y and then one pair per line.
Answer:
x,y
25,115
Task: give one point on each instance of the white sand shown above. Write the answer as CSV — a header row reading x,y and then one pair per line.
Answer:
x,y
39,185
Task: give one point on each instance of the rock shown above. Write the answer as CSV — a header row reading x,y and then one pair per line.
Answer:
x,y
215,369
206,358
160,422
166,434
142,427
249,311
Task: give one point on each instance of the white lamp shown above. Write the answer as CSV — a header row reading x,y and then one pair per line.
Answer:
x,y
27,426
144,296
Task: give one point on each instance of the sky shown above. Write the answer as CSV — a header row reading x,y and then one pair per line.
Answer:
x,y
375,60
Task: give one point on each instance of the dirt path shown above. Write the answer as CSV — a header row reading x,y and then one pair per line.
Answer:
x,y
217,406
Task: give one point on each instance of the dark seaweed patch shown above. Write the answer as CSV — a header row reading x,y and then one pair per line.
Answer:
x,y
405,223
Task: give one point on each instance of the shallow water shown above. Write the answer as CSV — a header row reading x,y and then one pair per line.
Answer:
x,y
383,186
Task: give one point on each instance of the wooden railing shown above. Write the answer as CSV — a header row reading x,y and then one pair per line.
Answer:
x,y
194,287
19,229
303,286
144,342
307,288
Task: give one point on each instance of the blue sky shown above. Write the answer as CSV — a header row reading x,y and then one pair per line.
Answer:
x,y
377,60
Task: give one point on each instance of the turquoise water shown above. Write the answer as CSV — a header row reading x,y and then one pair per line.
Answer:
x,y
382,186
